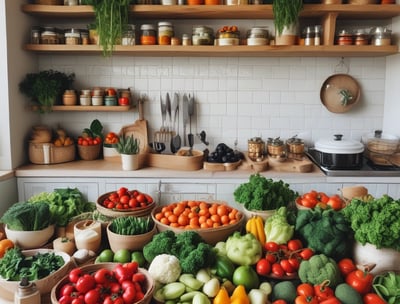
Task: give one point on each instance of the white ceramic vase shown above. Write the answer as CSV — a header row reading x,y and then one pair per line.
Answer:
x,y
130,162
288,36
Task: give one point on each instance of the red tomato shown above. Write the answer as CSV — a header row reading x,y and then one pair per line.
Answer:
x,y
286,266
141,198
124,199
133,203
138,277
92,296
360,281
331,300
305,289
335,202
309,203
294,244
263,267
295,263
271,246
67,290
78,301
346,265
305,300
323,291
279,302
122,191
129,294
306,253
277,270
323,198
270,257
74,275
149,199
103,276
373,298
85,283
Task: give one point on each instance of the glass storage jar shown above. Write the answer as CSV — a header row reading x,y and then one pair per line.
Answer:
x,y
165,33
48,35
202,35
148,34
257,36
381,36
128,36
228,36
85,36
35,34
72,36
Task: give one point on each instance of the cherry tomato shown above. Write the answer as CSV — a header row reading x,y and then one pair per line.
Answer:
x,y
74,275
279,302
306,253
67,290
277,270
360,280
141,198
346,265
295,263
85,283
294,244
373,298
286,266
305,289
323,291
271,246
92,296
332,300
122,191
103,276
305,300
270,257
263,267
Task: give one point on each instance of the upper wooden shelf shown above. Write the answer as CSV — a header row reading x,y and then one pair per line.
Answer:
x,y
92,108
374,11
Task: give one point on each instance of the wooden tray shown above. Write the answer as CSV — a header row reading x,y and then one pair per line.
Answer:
x,y
221,166
258,166
291,165
178,161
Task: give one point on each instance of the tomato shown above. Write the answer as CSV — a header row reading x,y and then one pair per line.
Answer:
x,y
294,244
65,300
306,253
305,300
138,277
92,296
277,270
122,191
129,294
322,197
295,263
360,280
309,203
85,283
67,290
271,246
149,199
346,265
78,301
305,289
103,276
279,302
141,198
5,244
263,267
323,291
124,199
373,298
74,275
332,300
133,203
270,257
286,266
335,202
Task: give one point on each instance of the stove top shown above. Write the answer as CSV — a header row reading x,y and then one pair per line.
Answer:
x,y
368,169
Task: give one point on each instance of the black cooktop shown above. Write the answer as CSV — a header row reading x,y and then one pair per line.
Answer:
x,y
368,169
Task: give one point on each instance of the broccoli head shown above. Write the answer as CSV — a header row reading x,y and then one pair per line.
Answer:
x,y
202,256
161,243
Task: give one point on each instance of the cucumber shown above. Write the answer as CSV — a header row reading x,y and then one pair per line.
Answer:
x,y
347,294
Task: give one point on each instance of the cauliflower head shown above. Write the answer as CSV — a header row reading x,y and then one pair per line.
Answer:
x,y
165,268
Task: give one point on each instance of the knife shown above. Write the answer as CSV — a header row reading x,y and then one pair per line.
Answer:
x,y
185,115
168,106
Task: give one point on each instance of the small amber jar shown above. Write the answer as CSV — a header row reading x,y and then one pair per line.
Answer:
x,y
148,34
69,98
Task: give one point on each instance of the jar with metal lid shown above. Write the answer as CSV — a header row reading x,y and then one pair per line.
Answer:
x,y
165,33
128,36
186,40
228,36
85,36
148,34
35,34
72,36
202,35
48,35
361,37
345,38
256,148
381,36
257,36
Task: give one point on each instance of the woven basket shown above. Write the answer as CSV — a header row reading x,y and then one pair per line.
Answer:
x,y
56,155
50,2
91,152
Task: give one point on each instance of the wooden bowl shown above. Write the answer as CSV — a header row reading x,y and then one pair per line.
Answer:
x,y
149,285
139,211
209,235
263,213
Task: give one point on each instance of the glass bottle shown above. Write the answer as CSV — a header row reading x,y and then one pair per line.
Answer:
x,y
128,36
148,34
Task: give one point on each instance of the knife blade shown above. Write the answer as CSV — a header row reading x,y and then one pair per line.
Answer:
x,y
168,106
185,115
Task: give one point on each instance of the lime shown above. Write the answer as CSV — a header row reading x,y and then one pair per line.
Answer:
x,y
107,255
122,256
137,256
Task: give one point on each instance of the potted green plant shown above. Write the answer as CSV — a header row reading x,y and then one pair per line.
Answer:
x,y
111,17
128,148
46,87
286,15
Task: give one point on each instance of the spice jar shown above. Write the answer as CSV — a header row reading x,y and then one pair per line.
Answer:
x,y
202,35
72,36
256,147
85,36
361,38
148,34
257,36
295,148
48,35
69,98
228,35
128,36
275,147
186,40
381,36
35,34
165,33
345,38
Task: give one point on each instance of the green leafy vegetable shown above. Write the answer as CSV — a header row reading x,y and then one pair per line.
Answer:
x,y
277,227
324,231
14,265
376,222
23,216
64,204
244,249
261,193
131,225
387,286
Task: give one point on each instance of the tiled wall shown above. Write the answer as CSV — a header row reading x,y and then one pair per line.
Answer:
x,y
236,98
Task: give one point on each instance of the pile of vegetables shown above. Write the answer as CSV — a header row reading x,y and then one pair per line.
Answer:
x,y
260,193
324,231
23,216
131,225
14,265
64,204
375,222
189,247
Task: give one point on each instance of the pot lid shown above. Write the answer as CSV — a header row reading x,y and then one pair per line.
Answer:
x,y
379,135
339,146
339,93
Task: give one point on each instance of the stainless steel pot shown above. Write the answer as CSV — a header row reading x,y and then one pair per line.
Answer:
x,y
338,154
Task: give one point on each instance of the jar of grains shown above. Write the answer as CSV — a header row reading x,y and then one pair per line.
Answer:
x,y
72,36
148,34
257,36
165,33
202,35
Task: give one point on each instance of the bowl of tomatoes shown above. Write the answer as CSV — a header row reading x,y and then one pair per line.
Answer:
x,y
314,198
214,221
125,202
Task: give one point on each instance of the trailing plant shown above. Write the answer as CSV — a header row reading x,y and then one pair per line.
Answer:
x,y
286,12
46,87
111,17
127,145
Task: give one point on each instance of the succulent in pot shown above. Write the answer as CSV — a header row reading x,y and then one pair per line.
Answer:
x,y
128,147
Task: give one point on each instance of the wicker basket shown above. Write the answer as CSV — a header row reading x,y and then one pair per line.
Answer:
x,y
47,153
50,2
91,152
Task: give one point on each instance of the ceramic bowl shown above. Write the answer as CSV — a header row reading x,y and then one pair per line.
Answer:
x,y
30,239
130,242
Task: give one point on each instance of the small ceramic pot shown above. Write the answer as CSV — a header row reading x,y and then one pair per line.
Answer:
x,y
97,100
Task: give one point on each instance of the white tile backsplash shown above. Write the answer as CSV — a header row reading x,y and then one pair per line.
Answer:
x,y
235,97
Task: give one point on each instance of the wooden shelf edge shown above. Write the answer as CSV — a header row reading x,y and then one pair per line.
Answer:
x,y
92,108
223,51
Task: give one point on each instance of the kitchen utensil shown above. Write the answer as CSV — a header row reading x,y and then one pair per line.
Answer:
x,y
338,154
381,148
203,136
168,107
185,116
163,114
339,93
176,139
190,135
